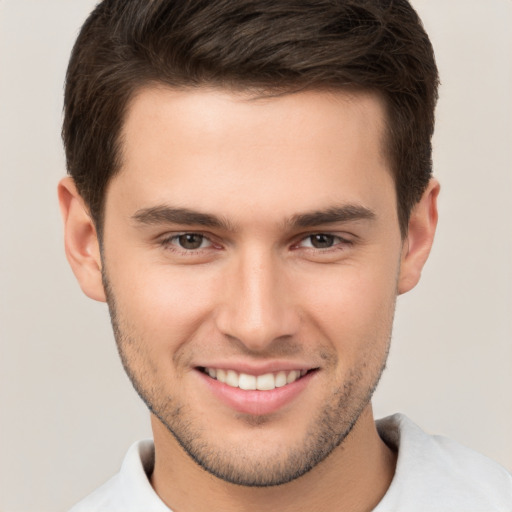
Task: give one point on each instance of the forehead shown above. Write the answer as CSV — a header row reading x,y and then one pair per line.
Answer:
x,y
232,149
213,112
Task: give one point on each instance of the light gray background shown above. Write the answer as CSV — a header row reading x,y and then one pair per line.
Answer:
x,y
67,411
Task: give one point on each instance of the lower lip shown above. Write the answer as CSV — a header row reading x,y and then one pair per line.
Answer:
x,y
257,402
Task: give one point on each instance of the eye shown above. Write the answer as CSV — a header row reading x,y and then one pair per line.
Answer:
x,y
191,240
320,241
188,241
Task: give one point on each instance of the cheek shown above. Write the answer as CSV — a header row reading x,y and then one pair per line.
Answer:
x,y
353,305
355,288
162,304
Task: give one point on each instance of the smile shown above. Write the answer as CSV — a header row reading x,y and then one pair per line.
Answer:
x,y
265,382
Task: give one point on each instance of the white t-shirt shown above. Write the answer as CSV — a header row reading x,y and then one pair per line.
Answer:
x,y
433,474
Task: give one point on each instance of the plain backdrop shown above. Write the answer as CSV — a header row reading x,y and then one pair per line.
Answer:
x,y
67,411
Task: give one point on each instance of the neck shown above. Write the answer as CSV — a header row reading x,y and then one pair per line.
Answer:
x,y
355,477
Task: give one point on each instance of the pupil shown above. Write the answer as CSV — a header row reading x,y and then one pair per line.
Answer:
x,y
322,241
190,241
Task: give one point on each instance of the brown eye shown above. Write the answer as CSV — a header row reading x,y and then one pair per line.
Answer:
x,y
322,241
190,241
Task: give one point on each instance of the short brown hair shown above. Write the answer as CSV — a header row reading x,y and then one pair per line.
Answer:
x,y
268,45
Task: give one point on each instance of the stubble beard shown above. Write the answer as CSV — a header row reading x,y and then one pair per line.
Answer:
x,y
327,431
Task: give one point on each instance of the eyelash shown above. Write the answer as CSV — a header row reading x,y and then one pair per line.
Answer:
x,y
167,243
339,243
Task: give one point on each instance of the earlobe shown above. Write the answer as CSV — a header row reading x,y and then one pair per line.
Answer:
x,y
420,236
81,240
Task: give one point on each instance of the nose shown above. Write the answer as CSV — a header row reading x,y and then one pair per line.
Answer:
x,y
257,304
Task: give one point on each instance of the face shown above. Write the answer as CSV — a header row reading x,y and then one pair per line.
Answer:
x,y
251,255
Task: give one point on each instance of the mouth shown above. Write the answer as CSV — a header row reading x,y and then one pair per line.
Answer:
x,y
247,382
256,389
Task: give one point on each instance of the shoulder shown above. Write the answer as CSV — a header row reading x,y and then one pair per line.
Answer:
x,y
103,498
436,473
129,490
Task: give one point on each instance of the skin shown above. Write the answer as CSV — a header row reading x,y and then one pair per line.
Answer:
x,y
256,293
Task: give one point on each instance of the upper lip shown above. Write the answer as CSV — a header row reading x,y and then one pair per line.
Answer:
x,y
260,368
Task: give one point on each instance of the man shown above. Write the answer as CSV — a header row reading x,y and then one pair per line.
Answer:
x,y
250,190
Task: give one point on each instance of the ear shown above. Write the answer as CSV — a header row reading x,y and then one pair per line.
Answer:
x,y
420,236
81,240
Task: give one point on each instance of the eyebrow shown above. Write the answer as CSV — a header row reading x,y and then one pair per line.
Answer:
x,y
164,214
345,213
184,216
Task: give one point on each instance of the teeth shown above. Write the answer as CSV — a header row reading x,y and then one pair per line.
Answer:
x,y
265,382
232,379
292,376
246,381
280,380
